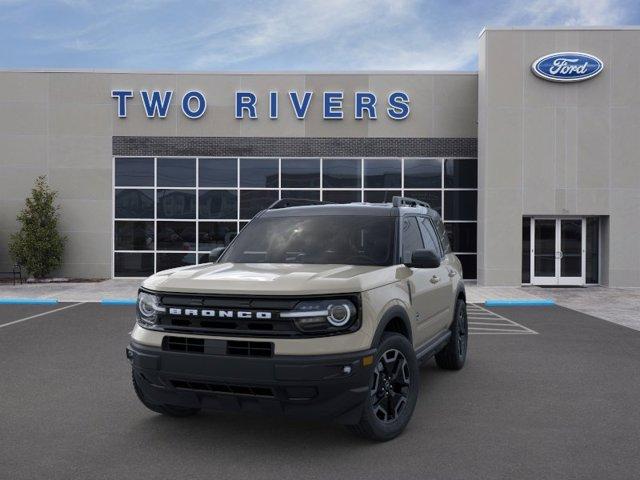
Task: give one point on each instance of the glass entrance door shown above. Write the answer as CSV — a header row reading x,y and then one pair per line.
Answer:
x,y
558,251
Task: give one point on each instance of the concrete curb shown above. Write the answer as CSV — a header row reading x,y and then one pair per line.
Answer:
x,y
118,301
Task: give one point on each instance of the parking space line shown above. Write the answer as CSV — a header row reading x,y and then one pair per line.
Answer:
x,y
40,314
492,323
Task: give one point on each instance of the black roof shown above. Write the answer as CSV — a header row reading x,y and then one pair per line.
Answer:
x,y
320,208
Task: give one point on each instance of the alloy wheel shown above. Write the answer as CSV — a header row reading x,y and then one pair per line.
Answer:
x,y
391,383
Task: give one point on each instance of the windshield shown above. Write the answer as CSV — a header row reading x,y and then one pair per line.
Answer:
x,y
340,239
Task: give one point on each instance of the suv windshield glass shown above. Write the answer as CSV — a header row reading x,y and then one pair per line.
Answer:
x,y
323,239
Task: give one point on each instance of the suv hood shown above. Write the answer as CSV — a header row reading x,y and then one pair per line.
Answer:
x,y
271,279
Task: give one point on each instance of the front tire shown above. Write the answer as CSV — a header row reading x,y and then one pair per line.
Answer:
x,y
393,390
454,355
169,410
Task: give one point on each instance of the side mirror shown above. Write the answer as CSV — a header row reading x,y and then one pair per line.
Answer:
x,y
424,259
214,254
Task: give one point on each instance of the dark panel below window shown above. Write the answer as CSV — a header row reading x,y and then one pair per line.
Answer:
x,y
133,264
133,236
469,268
166,261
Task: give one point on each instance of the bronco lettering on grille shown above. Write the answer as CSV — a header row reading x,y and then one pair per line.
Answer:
x,y
241,314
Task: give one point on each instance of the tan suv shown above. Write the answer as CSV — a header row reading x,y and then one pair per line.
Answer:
x,y
313,310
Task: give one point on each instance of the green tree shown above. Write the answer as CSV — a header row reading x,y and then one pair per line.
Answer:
x,y
38,246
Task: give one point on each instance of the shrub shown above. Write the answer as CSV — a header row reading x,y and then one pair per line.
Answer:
x,y
38,246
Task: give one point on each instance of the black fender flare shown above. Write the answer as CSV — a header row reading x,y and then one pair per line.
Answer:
x,y
396,311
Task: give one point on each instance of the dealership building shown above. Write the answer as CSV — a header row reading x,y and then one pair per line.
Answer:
x,y
533,161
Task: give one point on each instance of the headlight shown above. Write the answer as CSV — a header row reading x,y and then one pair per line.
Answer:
x,y
148,309
323,316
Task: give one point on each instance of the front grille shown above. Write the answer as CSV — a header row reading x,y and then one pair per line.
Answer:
x,y
254,391
250,349
183,344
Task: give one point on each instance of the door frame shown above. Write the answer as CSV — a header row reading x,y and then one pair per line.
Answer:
x,y
559,280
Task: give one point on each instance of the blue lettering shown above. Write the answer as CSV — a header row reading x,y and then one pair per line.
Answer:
x,y
273,105
366,101
246,101
398,105
122,96
156,104
332,105
200,100
300,108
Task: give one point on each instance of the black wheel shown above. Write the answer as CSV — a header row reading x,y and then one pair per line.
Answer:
x,y
170,410
393,390
453,356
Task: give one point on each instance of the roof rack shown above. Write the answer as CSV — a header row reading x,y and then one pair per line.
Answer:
x,y
294,202
408,202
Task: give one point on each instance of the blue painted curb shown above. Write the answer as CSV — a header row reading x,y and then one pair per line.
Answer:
x,y
28,301
543,302
118,301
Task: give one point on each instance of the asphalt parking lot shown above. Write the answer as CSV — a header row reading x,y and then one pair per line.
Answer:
x,y
553,396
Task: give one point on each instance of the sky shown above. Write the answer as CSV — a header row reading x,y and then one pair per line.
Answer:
x,y
263,35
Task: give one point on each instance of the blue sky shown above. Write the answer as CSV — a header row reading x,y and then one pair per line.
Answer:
x,y
274,35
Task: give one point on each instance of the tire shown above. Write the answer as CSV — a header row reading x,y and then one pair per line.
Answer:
x,y
169,410
454,355
394,387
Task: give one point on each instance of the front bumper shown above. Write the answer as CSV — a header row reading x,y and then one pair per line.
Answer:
x,y
326,387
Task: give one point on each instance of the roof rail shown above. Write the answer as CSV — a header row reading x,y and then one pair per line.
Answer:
x,y
408,202
294,202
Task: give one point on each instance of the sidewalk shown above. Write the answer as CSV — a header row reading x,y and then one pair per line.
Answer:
x,y
617,305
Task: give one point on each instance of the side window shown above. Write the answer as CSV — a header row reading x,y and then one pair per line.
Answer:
x,y
429,235
411,238
442,234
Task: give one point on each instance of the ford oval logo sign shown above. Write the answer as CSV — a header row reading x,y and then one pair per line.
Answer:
x,y
567,67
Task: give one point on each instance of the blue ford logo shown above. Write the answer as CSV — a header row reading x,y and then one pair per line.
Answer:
x,y
567,67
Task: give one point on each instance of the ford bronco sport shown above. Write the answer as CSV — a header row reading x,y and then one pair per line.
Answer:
x,y
313,310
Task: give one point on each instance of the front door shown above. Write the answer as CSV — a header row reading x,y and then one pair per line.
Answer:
x,y
558,251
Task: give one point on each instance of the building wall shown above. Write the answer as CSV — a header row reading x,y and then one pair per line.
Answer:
x,y
62,124
558,149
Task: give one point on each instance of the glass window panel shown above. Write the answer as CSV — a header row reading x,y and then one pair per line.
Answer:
x,y
526,250
176,172
341,196
469,267
382,173
133,264
259,172
133,236
460,205
545,248
422,173
253,201
176,203
300,172
173,260
411,238
243,224
341,173
134,203
462,236
433,198
176,235
380,196
429,236
218,203
593,247
442,234
301,194
461,173
571,248
134,172
203,258
215,234
218,172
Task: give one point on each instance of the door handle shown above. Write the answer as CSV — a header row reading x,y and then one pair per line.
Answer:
x,y
452,273
435,279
